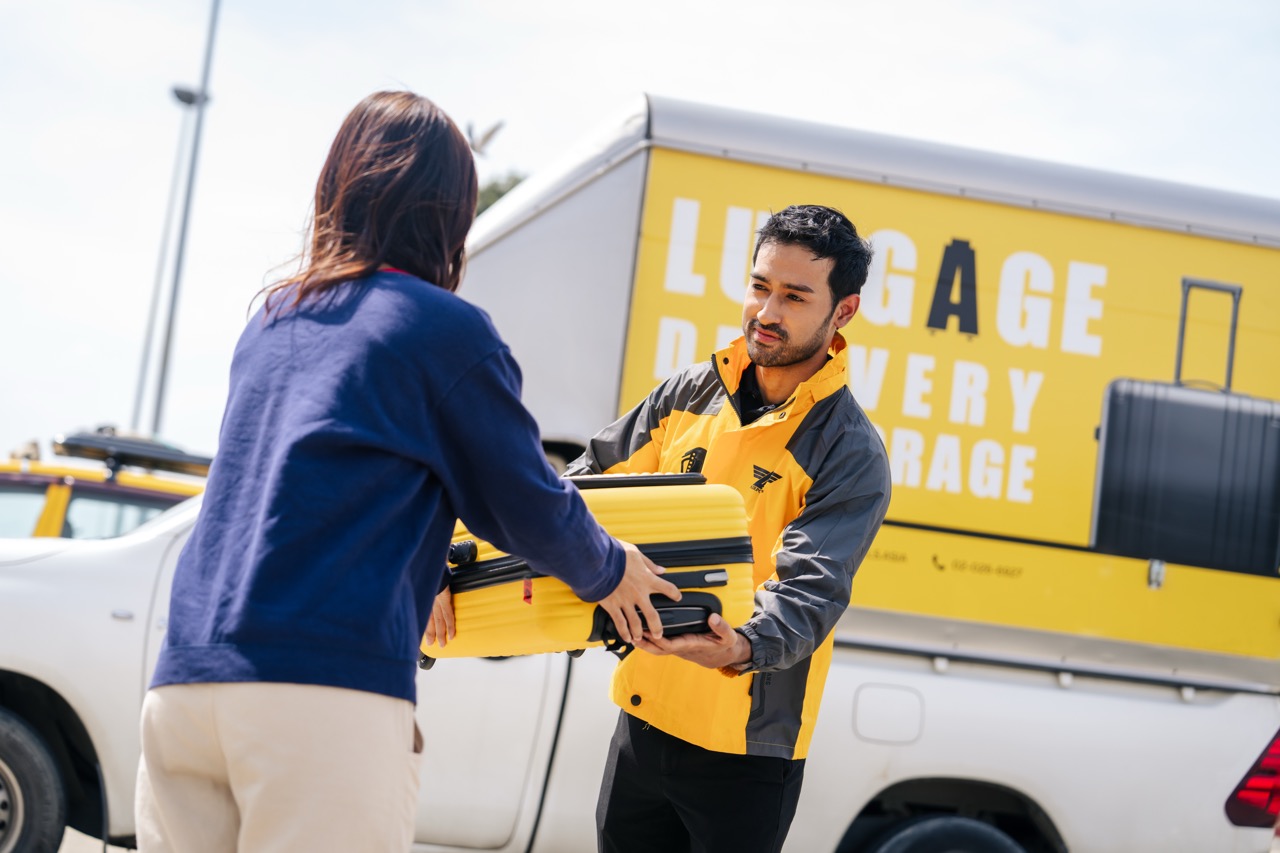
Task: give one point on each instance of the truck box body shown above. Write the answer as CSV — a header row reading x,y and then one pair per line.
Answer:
x,y
1005,297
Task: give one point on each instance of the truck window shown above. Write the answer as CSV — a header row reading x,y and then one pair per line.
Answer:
x,y
104,516
20,508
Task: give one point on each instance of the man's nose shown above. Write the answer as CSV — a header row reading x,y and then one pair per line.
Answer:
x,y
767,313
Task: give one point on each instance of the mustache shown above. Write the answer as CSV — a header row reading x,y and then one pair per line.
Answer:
x,y
774,329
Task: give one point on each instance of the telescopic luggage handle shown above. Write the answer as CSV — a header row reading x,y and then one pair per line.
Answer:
x,y
1235,290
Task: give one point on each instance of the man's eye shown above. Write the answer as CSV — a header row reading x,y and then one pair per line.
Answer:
x,y
794,298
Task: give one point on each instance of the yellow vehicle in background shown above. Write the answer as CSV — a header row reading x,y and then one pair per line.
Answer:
x,y
116,483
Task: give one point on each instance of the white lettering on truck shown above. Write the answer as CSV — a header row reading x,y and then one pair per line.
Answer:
x,y
1023,318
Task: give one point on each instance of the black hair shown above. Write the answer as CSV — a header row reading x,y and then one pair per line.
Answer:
x,y
827,233
399,188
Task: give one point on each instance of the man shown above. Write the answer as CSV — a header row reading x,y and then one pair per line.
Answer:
x,y
709,751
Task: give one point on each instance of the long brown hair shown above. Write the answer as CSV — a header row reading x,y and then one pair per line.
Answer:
x,y
398,188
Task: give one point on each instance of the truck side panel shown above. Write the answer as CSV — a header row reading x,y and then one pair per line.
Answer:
x,y
1095,754
1117,766
557,288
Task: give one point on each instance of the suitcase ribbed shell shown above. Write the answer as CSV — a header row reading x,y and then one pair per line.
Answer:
x,y
501,608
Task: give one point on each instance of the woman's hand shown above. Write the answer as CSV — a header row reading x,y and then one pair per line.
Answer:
x,y
440,626
629,605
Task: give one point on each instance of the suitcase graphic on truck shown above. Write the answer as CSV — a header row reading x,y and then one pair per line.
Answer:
x,y
1186,474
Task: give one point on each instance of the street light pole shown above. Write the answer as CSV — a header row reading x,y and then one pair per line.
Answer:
x,y
201,99
186,97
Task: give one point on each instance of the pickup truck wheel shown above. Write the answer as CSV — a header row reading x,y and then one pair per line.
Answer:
x,y
33,809
943,834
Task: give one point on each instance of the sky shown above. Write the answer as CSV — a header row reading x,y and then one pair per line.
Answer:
x,y
90,133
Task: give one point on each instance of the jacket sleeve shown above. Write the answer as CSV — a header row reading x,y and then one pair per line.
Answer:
x,y
630,445
818,553
504,490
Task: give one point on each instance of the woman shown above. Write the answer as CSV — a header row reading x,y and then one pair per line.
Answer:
x,y
369,408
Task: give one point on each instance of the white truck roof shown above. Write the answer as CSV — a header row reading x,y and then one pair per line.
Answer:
x,y
654,121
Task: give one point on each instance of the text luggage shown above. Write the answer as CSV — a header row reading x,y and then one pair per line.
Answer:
x,y
695,530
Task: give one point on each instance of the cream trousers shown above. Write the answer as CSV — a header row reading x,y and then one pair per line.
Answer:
x,y
276,767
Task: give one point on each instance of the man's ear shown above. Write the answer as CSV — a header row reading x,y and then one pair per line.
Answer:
x,y
845,309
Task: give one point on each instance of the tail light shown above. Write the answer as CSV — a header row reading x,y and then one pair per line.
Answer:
x,y
1256,800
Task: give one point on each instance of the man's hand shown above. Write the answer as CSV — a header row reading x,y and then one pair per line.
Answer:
x,y
720,648
629,601
440,625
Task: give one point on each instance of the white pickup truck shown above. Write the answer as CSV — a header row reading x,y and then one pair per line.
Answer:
x,y
1040,649
1054,755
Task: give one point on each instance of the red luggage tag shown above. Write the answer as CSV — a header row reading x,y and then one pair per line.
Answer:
x,y
528,590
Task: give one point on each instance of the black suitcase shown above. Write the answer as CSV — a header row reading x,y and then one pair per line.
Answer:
x,y
1187,475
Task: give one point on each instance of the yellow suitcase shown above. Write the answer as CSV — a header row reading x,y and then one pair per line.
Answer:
x,y
695,530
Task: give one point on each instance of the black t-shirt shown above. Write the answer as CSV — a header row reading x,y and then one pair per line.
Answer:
x,y
751,406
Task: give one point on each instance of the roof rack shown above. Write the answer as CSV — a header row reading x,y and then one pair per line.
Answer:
x,y
115,451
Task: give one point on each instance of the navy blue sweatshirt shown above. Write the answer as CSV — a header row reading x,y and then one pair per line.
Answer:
x,y
359,426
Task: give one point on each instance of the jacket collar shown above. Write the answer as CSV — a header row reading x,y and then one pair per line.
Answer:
x,y
731,361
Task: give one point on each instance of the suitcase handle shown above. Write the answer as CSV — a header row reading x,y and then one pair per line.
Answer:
x,y
689,615
1235,290
614,481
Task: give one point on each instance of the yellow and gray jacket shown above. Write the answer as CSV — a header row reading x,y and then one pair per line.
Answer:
x,y
815,478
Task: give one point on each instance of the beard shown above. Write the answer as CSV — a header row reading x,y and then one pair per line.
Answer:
x,y
785,353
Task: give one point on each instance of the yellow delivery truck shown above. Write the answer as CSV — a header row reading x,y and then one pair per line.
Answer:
x,y
1070,623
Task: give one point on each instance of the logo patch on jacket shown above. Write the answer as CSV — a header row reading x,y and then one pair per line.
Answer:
x,y
763,478
691,462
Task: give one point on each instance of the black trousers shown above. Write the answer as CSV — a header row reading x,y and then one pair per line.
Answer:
x,y
663,795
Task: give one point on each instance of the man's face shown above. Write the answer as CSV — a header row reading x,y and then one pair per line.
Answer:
x,y
789,314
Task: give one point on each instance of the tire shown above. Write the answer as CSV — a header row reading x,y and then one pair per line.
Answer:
x,y
33,808
943,834
557,461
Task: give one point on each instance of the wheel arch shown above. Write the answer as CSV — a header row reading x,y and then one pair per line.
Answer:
x,y
1016,814
64,733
